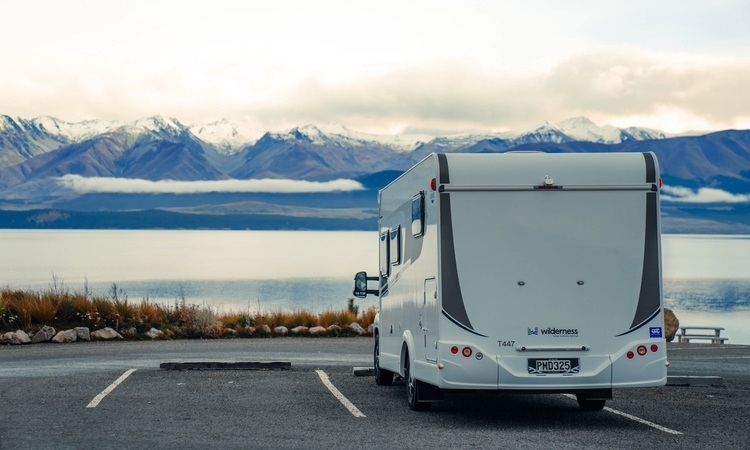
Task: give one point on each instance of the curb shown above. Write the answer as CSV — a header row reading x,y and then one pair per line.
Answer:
x,y
226,366
363,371
689,380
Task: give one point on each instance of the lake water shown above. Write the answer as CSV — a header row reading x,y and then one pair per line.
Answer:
x,y
706,277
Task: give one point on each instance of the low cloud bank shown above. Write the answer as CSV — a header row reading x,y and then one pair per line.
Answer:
x,y
702,195
91,185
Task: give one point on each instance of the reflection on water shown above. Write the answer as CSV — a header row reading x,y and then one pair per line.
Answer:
x,y
712,302
701,294
243,295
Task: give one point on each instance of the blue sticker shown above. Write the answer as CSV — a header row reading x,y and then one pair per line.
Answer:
x,y
655,332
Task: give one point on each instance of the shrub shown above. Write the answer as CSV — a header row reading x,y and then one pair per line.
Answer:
x,y
367,317
341,318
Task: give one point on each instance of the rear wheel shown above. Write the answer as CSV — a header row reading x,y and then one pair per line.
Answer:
x,y
588,404
382,377
414,389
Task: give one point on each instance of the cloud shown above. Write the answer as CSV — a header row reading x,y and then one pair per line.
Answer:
x,y
666,91
702,195
90,185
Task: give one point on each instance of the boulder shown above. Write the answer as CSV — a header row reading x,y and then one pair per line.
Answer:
x,y
17,337
130,332
281,331
300,330
230,332
371,328
334,329
153,333
357,328
7,338
65,337
671,324
106,334
83,333
317,331
44,335
263,329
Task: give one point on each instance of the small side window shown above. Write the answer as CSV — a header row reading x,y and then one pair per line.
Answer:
x,y
417,215
396,246
385,261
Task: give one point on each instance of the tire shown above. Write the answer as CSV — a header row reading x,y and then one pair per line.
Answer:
x,y
414,389
382,377
588,404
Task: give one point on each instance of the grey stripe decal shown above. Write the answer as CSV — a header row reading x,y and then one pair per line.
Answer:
x,y
452,299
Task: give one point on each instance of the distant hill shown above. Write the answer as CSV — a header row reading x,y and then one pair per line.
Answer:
x,y
707,177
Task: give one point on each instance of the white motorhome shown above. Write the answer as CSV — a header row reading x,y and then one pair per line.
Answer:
x,y
522,271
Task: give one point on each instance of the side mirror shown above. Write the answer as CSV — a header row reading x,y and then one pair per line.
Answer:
x,y
360,285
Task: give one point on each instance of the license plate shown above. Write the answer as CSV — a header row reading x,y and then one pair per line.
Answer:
x,y
543,366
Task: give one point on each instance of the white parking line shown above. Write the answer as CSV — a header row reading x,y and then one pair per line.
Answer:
x,y
634,418
336,393
109,389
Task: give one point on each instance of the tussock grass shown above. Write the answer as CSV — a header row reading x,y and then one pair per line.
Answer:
x,y
58,307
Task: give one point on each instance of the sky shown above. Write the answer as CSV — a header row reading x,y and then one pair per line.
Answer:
x,y
433,67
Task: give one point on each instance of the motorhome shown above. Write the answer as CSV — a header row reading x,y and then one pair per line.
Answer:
x,y
521,271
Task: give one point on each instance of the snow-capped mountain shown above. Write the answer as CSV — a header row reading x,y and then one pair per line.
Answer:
x,y
36,154
227,137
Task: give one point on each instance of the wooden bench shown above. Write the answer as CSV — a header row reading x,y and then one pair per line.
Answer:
x,y
686,333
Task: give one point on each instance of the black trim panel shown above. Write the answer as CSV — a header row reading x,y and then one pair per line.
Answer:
x,y
450,285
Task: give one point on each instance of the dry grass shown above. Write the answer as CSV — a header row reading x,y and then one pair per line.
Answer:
x,y
61,309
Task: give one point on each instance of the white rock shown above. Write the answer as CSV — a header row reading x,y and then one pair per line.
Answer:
x,y
300,330
371,328
334,329
17,337
7,338
357,328
281,331
153,333
106,333
23,338
317,331
65,336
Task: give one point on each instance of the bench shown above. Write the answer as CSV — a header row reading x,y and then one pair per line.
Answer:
x,y
686,333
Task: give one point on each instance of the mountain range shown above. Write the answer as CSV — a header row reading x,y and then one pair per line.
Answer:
x,y
108,174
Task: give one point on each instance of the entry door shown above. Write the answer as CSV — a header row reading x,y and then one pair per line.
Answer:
x,y
429,318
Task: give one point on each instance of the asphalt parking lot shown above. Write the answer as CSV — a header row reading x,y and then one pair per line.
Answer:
x,y
114,395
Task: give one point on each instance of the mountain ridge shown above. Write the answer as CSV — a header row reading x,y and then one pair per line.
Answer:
x,y
706,171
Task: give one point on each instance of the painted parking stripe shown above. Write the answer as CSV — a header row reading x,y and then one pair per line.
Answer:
x,y
634,418
336,393
109,389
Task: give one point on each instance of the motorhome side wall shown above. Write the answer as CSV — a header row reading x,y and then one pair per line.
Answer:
x,y
408,261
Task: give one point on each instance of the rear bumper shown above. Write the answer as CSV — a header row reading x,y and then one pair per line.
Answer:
x,y
510,371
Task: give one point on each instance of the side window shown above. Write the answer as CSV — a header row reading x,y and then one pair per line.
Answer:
x,y
385,261
417,215
396,246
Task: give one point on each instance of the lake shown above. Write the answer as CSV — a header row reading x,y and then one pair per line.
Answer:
x,y
706,277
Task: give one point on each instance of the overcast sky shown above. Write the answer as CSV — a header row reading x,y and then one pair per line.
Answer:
x,y
436,67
